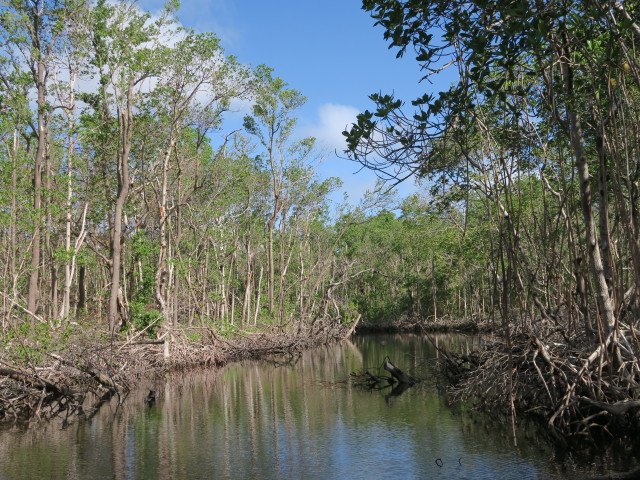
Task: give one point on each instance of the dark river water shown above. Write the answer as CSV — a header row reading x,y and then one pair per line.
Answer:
x,y
293,421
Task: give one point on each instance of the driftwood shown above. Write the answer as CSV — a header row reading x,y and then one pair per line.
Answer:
x,y
31,380
399,381
61,388
398,374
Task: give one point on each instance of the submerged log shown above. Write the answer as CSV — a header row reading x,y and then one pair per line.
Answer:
x,y
150,399
397,390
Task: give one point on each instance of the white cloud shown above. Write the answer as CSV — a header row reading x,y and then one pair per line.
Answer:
x,y
332,121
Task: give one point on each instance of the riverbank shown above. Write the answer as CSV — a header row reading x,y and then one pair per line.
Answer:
x,y
70,372
579,388
583,390
420,325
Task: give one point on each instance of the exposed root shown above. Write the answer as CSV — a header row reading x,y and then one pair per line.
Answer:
x,y
77,380
76,384
579,389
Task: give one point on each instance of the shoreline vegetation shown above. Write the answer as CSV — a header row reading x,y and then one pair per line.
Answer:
x,y
566,384
575,386
70,372
72,379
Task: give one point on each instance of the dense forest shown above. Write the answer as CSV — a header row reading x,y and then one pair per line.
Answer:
x,y
541,130
124,196
127,200
129,206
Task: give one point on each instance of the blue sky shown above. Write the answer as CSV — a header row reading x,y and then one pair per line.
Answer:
x,y
329,50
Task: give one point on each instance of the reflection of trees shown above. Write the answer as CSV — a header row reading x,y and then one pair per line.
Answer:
x,y
262,421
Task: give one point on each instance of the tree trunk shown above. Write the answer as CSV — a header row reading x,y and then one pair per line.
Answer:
x,y
13,217
126,124
272,274
259,289
605,302
70,256
82,293
162,275
32,299
603,216
246,304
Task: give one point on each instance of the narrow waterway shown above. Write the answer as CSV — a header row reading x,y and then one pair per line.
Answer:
x,y
291,421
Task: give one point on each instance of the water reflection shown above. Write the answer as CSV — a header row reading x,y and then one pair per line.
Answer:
x,y
259,420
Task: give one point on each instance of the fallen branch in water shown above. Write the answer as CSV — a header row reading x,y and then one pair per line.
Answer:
x,y
398,374
397,380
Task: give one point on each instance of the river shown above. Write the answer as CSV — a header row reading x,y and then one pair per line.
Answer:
x,y
300,420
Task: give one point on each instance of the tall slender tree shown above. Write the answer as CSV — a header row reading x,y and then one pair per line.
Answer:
x,y
272,123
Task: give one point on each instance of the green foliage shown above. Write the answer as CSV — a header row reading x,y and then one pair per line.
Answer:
x,y
542,97
143,311
413,262
29,343
194,336
272,111
507,53
145,251
145,316
228,330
